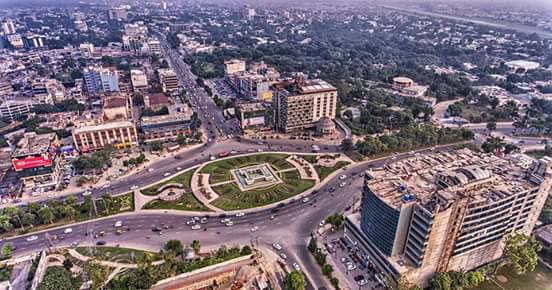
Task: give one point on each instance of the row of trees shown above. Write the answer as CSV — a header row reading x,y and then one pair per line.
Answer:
x,y
410,138
95,162
320,258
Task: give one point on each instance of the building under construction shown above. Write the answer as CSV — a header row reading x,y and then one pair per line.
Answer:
x,y
445,211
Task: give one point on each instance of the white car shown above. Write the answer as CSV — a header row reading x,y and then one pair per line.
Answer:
x,y
240,214
283,256
68,231
306,199
277,246
118,224
362,282
343,177
342,184
167,174
212,157
179,168
350,266
32,238
254,229
134,187
322,223
296,267
223,221
196,227
230,223
150,169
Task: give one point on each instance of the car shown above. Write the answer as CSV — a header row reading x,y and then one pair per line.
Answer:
x,y
240,214
277,246
212,157
134,187
150,169
196,227
322,223
230,223
68,231
119,232
100,243
32,238
362,282
344,260
343,177
272,217
190,222
260,150
350,266
283,256
233,152
166,174
342,184
100,234
296,267
306,199
225,220
204,220
118,224
254,229
178,168
332,189
156,229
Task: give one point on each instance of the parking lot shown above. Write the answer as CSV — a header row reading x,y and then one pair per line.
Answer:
x,y
359,274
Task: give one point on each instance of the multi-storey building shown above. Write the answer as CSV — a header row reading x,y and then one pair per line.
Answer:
x,y
254,115
98,80
300,104
139,80
445,211
95,135
110,80
168,80
166,127
8,27
92,80
86,49
117,107
234,66
154,46
11,109
36,160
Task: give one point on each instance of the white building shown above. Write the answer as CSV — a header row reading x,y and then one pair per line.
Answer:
x,y
139,80
86,49
8,27
168,79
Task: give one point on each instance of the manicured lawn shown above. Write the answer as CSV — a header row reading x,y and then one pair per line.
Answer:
x,y
185,179
186,202
114,254
323,172
220,170
232,198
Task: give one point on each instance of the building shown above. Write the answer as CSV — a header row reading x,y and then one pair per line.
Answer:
x,y
109,78
8,27
407,87
299,104
80,25
139,80
92,80
118,13
445,211
234,66
5,88
36,160
166,127
117,107
156,102
168,80
86,49
11,109
16,41
92,136
154,46
34,41
254,115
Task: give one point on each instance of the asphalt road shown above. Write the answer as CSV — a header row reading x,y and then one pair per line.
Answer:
x,y
291,225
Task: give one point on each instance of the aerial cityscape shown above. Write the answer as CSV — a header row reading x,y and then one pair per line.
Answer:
x,y
275,144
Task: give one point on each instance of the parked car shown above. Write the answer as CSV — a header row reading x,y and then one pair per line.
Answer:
x,y
32,238
277,246
68,231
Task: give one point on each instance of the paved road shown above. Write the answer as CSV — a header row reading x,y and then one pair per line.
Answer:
x,y
291,225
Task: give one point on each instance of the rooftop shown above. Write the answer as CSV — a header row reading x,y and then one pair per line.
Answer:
x,y
104,126
301,86
33,143
451,175
166,118
115,102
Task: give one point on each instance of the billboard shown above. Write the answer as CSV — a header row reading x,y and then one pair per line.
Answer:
x,y
31,162
255,121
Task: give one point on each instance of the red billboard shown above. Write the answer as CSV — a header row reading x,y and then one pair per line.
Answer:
x,y
31,162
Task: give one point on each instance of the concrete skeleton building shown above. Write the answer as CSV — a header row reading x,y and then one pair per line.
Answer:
x,y
11,109
445,211
299,104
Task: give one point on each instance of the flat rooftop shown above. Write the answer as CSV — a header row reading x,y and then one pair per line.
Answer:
x,y
33,143
104,126
420,176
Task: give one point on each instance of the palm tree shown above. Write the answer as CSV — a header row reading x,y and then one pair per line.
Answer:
x,y
14,212
5,223
107,200
46,214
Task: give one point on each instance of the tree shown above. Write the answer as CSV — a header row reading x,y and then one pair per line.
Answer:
x,y
475,278
312,245
181,139
107,200
71,200
327,270
522,252
294,281
96,273
57,278
156,146
70,212
46,215
7,250
196,245
347,144
67,264
246,250
14,213
5,223
175,247
491,126
441,281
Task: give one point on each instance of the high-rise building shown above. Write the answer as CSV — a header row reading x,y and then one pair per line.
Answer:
x,y
34,41
110,80
98,80
96,135
168,80
299,104
8,27
92,80
154,46
16,40
445,211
